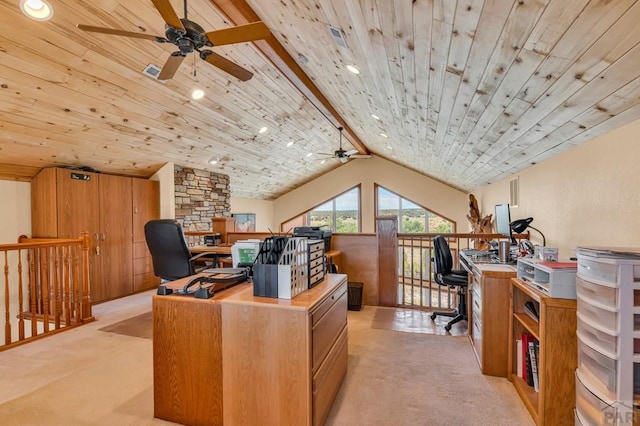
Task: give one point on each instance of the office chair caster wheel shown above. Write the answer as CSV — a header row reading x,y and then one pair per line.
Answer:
x,y
433,317
447,327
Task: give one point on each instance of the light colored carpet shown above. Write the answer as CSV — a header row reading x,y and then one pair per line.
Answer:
x,y
89,377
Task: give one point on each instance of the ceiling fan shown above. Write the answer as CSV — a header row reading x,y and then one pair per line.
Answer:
x,y
189,37
344,156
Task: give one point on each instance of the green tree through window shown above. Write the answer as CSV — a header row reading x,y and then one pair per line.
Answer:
x,y
412,218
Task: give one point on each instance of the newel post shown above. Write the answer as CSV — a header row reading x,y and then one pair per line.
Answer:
x,y
86,301
387,235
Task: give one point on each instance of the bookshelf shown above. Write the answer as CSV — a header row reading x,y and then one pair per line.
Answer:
x,y
555,331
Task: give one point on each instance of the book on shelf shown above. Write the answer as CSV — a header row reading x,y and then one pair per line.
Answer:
x,y
531,308
519,358
526,358
534,365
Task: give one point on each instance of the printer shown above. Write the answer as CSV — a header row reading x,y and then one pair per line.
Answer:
x,y
314,233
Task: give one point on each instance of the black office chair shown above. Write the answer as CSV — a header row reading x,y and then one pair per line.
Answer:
x,y
168,246
445,275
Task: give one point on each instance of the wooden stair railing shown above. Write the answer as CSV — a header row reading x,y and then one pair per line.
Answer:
x,y
45,287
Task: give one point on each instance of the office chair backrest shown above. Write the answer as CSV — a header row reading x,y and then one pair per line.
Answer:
x,y
443,261
168,247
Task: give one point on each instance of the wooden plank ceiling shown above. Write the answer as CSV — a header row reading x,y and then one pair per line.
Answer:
x,y
467,92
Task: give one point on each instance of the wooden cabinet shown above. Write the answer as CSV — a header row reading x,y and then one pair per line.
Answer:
x,y
146,206
284,360
488,312
66,202
555,331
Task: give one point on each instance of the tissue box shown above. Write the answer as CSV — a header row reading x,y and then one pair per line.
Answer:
x,y
546,253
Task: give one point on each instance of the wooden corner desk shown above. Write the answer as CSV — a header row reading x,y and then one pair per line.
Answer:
x,y
488,311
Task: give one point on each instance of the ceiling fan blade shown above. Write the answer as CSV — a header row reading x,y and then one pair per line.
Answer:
x,y
168,14
343,159
171,66
360,156
241,33
226,65
351,152
118,32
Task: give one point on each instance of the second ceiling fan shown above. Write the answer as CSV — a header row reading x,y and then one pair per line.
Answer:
x,y
190,37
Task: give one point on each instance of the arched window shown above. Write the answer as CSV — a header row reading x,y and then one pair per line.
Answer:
x,y
340,214
412,218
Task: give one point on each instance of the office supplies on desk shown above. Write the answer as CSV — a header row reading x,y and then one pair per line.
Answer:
x,y
204,286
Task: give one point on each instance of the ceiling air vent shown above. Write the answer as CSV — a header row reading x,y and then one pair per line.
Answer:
x,y
152,71
338,36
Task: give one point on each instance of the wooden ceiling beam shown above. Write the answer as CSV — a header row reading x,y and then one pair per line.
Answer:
x,y
239,13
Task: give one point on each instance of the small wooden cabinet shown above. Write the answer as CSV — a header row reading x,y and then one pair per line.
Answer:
x,y
555,331
284,360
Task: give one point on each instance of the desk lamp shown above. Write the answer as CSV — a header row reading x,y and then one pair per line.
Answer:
x,y
520,225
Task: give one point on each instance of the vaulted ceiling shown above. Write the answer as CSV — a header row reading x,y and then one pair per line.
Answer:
x,y
466,91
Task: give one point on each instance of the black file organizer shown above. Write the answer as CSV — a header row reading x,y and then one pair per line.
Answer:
x,y
265,267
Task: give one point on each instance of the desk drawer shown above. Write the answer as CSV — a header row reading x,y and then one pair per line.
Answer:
x,y
327,303
327,328
327,380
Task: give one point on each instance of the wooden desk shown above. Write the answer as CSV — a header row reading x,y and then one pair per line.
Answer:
x,y
488,305
187,357
217,250
284,360
278,361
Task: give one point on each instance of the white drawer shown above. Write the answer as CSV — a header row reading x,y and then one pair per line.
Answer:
x,y
596,293
599,370
591,410
605,342
591,269
608,320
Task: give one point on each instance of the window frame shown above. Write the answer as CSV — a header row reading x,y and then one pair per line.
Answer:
x,y
377,186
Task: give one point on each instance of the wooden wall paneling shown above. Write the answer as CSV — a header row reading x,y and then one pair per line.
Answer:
x,y
359,260
116,247
387,233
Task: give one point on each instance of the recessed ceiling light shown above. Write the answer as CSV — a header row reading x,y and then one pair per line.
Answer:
x,y
39,10
289,144
353,69
323,161
213,161
375,116
197,94
309,154
263,129
384,135
389,147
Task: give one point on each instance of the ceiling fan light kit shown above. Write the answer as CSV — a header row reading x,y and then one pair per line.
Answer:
x,y
342,155
190,37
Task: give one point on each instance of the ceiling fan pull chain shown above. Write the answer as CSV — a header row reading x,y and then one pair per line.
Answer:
x,y
185,10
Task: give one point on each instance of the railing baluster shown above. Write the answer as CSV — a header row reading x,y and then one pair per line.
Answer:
x,y
7,304
66,269
20,299
33,293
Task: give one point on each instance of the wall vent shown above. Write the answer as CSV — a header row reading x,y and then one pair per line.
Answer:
x,y
514,192
338,36
152,71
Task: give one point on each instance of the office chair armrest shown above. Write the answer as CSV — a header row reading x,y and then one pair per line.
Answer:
x,y
197,256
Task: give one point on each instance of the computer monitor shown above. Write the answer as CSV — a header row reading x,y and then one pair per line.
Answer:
x,y
503,221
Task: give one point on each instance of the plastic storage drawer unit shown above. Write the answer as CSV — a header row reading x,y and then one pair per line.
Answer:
x,y
608,319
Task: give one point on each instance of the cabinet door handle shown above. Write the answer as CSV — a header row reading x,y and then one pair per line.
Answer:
x,y
103,236
97,250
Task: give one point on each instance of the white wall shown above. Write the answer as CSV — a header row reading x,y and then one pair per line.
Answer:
x,y
438,197
166,177
263,210
589,195
15,214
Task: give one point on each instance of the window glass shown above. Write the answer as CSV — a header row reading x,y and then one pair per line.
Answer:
x,y
412,217
340,214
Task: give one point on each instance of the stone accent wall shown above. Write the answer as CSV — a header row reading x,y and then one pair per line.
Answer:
x,y
200,195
